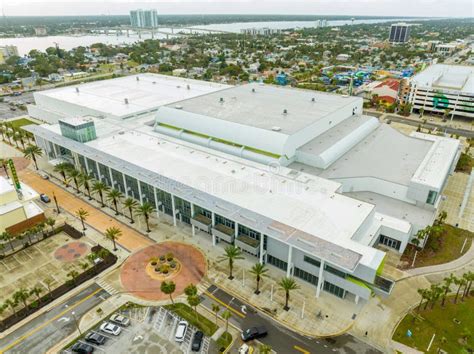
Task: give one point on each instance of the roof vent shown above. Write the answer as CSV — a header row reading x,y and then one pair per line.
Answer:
x,y
77,89
253,90
188,87
285,111
178,106
221,100
313,99
154,82
138,78
125,100
276,129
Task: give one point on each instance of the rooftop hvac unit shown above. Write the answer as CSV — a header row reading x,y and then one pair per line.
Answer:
x,y
126,100
77,89
276,129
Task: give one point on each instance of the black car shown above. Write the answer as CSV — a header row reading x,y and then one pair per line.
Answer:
x,y
82,348
95,338
197,341
253,333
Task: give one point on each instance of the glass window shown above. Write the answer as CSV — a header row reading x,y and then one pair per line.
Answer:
x,y
312,261
310,278
431,197
335,271
277,262
224,221
335,290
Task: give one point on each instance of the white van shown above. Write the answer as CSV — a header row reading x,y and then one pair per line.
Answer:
x,y
181,331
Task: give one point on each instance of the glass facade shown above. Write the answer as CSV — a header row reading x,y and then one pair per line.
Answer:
x,y
147,193
82,163
244,230
277,262
431,197
105,175
310,278
202,211
132,186
312,261
335,290
93,169
165,199
83,132
224,221
184,208
334,271
118,181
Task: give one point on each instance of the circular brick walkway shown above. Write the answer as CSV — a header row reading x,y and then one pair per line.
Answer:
x,y
71,251
137,282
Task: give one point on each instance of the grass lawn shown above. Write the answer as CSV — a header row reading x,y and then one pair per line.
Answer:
x,y
440,321
441,249
224,341
465,163
184,311
18,123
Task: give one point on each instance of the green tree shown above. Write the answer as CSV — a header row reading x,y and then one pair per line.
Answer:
x,y
146,209
12,303
460,282
226,315
36,291
22,295
82,215
114,196
264,349
231,254
85,180
131,204
168,288
7,236
194,301
50,222
32,152
63,169
73,274
99,188
216,308
448,281
191,290
287,284
113,234
259,270
75,175
4,164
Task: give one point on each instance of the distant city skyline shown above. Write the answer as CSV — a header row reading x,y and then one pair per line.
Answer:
x,y
399,8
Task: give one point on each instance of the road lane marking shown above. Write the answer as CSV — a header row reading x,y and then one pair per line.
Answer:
x,y
224,304
36,329
304,351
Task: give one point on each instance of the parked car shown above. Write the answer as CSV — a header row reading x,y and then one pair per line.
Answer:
x,y
254,333
110,328
244,349
44,175
82,348
197,341
95,338
44,198
181,331
120,320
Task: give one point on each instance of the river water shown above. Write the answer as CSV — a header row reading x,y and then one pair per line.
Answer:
x,y
25,44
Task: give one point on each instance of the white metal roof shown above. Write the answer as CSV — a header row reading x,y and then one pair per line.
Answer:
x,y
264,106
148,92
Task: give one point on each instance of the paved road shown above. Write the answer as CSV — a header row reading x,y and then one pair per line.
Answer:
x,y
41,333
461,132
281,339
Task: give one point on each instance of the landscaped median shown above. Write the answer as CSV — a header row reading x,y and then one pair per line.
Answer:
x,y
450,328
196,319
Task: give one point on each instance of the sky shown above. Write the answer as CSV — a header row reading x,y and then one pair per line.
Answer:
x,y
400,8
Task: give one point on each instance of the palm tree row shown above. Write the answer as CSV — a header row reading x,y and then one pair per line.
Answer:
x,y
18,135
21,296
259,271
436,291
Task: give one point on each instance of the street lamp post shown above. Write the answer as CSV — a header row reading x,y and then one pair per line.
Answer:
x,y
302,309
75,321
271,293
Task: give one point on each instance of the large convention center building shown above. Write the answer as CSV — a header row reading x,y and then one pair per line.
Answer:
x,y
301,180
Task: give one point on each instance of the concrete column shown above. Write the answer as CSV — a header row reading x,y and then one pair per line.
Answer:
x,y
98,171
262,237
111,178
192,215
173,209
320,279
357,299
125,185
290,254
156,203
87,166
236,231
213,220
140,191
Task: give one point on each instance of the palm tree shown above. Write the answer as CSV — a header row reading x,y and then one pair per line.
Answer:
x,y
41,226
21,138
3,130
85,180
4,164
16,139
146,209
436,292
259,271
50,222
264,349
216,308
194,301
114,196
22,295
191,290
465,277
91,257
28,233
226,315
168,288
448,281
32,152
48,282
6,236
36,290
460,282
63,169
9,135
470,277
131,204
74,174
232,254
82,215
287,284
112,234
424,295
73,274
99,188
12,303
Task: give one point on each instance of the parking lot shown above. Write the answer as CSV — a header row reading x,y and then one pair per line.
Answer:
x,y
9,108
151,331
